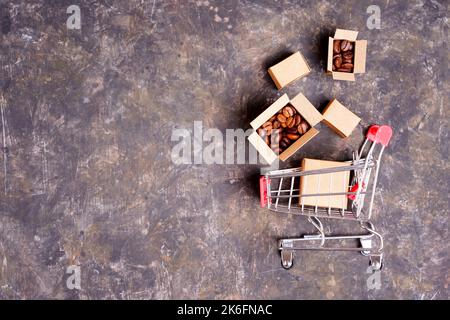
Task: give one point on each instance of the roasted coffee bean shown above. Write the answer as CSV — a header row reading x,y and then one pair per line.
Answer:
x,y
281,118
273,118
346,45
276,124
344,70
290,122
343,44
288,111
303,127
347,61
347,65
283,124
267,124
268,127
347,55
284,144
291,130
337,46
297,119
337,61
292,136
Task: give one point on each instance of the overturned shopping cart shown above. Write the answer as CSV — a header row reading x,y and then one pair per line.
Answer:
x,y
280,192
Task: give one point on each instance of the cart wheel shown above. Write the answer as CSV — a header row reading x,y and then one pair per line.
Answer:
x,y
377,266
366,244
287,257
376,262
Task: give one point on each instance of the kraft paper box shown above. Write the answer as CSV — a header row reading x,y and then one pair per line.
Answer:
x,y
359,62
306,110
334,182
288,70
339,118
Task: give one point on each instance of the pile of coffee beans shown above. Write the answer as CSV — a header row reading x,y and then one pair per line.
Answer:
x,y
283,129
343,52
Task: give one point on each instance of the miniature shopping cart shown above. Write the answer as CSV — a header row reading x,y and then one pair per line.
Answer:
x,y
279,192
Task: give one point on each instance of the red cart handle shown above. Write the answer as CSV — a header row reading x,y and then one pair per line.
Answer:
x,y
380,134
354,189
263,191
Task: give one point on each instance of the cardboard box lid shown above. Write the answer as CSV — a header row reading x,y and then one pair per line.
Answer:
x,y
342,34
360,56
339,118
270,111
343,76
306,109
324,183
262,147
330,54
300,142
288,70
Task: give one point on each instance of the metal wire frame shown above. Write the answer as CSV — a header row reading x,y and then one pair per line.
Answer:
x,y
361,170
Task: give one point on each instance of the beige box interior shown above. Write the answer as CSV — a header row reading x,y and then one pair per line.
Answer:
x,y
306,111
288,70
359,65
339,118
335,182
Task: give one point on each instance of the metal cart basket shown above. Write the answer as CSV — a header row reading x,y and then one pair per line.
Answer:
x,y
279,192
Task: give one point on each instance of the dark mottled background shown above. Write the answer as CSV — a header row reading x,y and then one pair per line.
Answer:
x,y
87,177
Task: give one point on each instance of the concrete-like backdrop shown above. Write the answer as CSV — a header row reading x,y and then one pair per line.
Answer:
x,y
86,174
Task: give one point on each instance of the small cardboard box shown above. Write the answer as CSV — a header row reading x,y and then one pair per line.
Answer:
x,y
340,119
359,59
288,70
334,182
306,110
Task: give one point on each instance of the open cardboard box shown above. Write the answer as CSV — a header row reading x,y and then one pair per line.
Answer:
x,y
306,110
336,116
359,59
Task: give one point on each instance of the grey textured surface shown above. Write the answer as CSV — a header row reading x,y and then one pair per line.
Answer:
x,y
87,178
